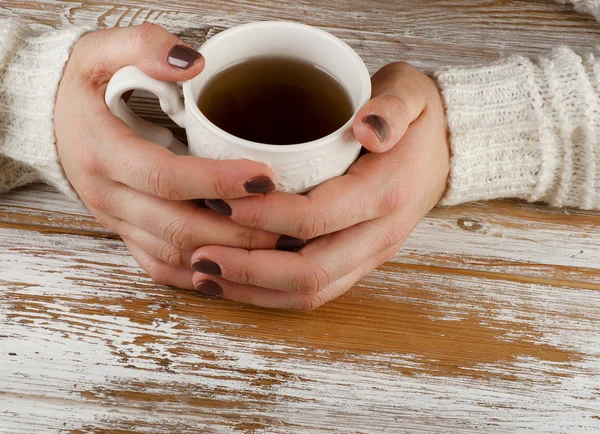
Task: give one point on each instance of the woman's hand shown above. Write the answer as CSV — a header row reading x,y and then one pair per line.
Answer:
x,y
357,221
138,189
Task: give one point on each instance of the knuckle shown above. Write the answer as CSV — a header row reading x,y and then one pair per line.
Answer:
x,y
96,73
392,200
246,275
144,33
253,215
387,204
223,188
312,225
308,303
100,199
312,281
248,239
90,161
160,182
172,255
396,233
177,233
91,68
399,105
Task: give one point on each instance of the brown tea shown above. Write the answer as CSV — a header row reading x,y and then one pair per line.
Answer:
x,y
277,101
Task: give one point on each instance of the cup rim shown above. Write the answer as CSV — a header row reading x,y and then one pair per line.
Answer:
x,y
362,71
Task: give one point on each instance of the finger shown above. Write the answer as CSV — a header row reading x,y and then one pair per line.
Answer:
x,y
181,224
315,267
161,272
270,298
149,47
156,247
374,186
398,101
147,167
160,249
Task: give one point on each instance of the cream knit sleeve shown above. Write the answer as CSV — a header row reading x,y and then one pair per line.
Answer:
x,y
31,65
525,128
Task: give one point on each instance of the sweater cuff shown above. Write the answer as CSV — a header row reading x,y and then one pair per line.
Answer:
x,y
30,73
494,132
526,130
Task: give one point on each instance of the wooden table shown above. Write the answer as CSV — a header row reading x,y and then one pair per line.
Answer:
x,y
487,320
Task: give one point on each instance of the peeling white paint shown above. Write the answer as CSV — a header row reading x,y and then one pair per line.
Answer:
x,y
97,353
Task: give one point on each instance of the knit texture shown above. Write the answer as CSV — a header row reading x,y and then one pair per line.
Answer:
x,y
527,129
31,65
519,128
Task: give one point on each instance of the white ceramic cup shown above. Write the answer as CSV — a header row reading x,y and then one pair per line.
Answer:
x,y
299,167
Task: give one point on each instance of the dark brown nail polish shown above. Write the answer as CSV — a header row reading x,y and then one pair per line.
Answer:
x,y
200,203
260,184
290,244
183,57
207,267
378,125
209,289
219,206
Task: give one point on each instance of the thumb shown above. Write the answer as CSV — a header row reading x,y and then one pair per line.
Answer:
x,y
149,47
396,103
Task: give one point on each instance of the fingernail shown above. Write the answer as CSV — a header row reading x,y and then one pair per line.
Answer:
x,y
260,184
183,57
378,125
200,203
219,205
209,289
207,267
289,244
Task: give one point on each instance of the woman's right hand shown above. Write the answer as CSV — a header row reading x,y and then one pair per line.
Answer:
x,y
138,189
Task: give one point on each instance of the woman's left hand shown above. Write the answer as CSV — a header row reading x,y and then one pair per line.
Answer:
x,y
357,221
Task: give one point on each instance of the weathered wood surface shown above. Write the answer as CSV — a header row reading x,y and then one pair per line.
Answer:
x,y
487,321
89,343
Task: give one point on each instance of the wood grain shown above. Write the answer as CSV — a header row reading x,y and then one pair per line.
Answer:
x,y
95,345
486,321
429,34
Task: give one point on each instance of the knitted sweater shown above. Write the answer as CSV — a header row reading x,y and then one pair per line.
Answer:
x,y
519,128
31,65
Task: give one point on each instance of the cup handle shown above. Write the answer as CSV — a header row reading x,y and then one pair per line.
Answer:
x,y
130,78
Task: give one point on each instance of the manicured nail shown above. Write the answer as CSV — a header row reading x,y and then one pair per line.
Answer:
x,y
289,244
200,203
209,289
260,184
183,57
219,206
378,125
207,267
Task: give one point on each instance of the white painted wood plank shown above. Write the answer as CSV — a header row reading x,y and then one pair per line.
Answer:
x,y
99,346
426,33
